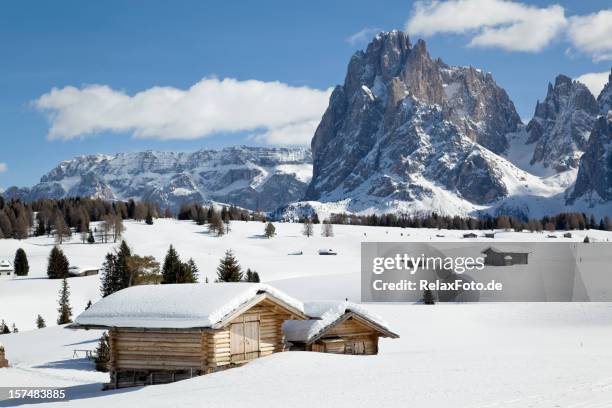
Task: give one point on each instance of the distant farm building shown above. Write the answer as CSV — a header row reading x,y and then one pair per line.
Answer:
x,y
499,257
3,361
489,235
470,235
6,269
77,271
337,327
567,235
165,333
327,252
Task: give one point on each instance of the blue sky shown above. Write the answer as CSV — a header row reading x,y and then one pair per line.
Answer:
x,y
132,46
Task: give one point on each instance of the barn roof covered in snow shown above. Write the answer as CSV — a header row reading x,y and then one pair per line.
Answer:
x,y
181,306
327,314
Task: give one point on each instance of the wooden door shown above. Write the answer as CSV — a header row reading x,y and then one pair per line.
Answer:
x,y
244,339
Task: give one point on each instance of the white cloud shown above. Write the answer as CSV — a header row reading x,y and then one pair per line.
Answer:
x,y
491,23
209,107
595,81
593,34
363,36
3,167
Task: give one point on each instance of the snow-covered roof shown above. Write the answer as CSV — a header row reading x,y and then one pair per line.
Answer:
x,y
507,249
183,306
325,314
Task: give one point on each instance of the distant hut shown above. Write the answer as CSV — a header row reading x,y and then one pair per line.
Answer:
x,y
499,257
337,327
80,271
470,235
3,361
489,235
567,235
165,333
6,269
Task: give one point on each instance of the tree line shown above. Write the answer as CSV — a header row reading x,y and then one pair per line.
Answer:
x,y
563,221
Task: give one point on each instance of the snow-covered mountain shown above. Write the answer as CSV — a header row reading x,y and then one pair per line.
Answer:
x,y
409,133
250,177
561,125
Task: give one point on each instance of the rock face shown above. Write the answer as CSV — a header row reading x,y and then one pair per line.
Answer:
x,y
594,180
249,177
404,122
604,100
561,125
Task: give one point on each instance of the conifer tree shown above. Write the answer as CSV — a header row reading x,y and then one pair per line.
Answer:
x,y
58,265
15,329
21,263
123,266
88,305
109,278
428,297
192,272
40,322
171,267
229,269
4,329
149,218
252,276
64,309
270,230
90,238
102,357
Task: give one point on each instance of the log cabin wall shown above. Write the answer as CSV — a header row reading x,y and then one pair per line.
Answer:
x,y
155,356
348,337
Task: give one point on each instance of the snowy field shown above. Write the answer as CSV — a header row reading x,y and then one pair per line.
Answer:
x,y
320,277
467,355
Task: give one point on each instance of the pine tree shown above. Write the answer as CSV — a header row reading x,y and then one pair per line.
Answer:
x,y
149,218
270,230
15,329
171,267
4,329
102,357
88,305
109,276
58,264
229,269
192,272
21,263
64,309
90,238
428,297
586,240
40,322
251,276
123,266
307,230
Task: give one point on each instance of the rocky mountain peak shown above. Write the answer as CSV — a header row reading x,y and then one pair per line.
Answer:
x,y
605,97
561,125
401,114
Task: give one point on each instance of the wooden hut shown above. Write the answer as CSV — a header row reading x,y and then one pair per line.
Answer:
x,y
165,333
3,361
80,271
6,269
505,257
470,235
337,327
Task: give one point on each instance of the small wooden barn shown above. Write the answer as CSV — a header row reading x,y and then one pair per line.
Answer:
x,y
470,235
337,327
507,257
80,271
3,361
165,333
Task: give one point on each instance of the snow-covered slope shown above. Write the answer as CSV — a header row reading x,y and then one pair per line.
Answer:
x,y
509,355
250,177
